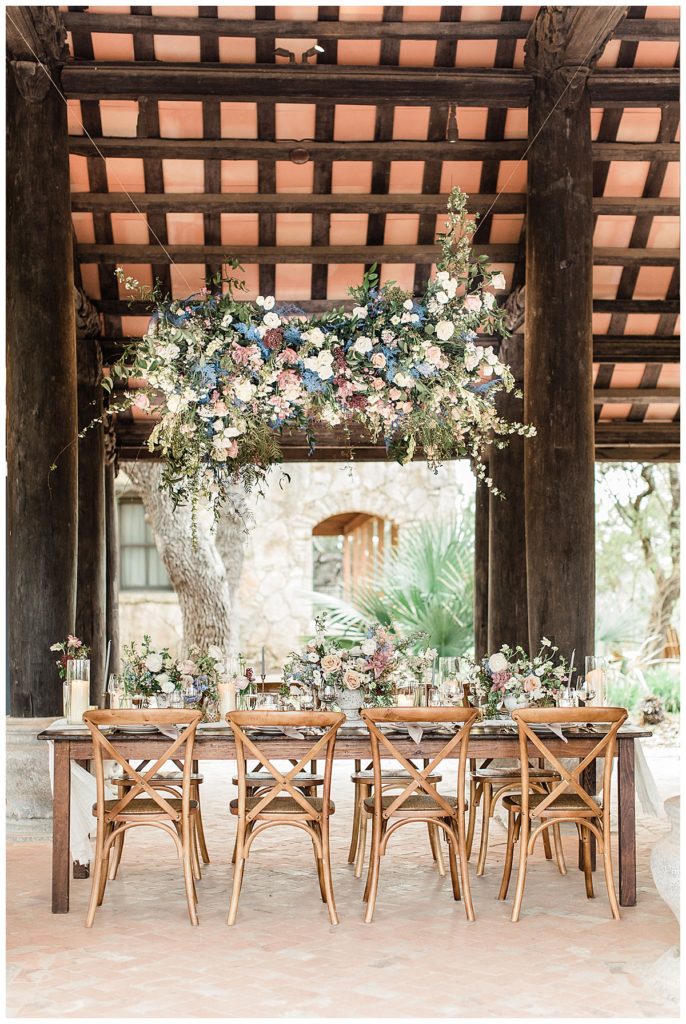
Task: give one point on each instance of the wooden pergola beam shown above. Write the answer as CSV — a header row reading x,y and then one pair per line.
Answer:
x,y
311,83
308,83
606,349
663,29
396,149
653,307
285,202
640,396
333,445
93,252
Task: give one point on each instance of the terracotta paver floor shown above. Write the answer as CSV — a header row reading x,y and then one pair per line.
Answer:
x,y
419,958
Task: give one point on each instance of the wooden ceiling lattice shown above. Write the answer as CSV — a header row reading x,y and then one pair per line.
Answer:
x,y
309,173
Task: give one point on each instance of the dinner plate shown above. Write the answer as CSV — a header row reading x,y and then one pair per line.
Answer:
x,y
209,726
136,729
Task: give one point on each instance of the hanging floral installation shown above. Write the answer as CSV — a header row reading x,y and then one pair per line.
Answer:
x,y
226,375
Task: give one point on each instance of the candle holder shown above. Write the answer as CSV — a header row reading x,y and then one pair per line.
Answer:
x,y
77,690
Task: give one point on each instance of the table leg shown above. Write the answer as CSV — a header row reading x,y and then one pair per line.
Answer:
x,y
82,870
626,831
588,782
60,829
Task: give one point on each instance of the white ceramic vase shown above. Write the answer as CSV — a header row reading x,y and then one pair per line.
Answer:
x,y
350,702
511,702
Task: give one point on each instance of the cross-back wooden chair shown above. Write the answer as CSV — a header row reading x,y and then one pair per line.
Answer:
x,y
284,802
142,803
566,799
392,779
419,800
489,783
167,782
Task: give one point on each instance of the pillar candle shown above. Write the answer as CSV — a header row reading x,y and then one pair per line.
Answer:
x,y
227,698
79,700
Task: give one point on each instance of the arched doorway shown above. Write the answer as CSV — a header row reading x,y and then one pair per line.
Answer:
x,y
345,548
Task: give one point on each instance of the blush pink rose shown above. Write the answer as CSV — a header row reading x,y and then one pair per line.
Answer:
x,y
433,355
378,360
377,384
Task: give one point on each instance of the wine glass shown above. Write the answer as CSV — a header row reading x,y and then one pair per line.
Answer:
x,y
116,690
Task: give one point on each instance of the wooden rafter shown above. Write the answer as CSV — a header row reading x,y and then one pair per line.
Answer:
x,y
663,29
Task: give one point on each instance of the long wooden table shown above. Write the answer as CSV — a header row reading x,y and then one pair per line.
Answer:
x,y
219,746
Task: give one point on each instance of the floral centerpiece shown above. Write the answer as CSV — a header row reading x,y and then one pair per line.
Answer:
x,y
226,376
357,675
148,672
513,678
71,649
200,674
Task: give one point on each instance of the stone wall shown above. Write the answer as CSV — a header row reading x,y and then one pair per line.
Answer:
x,y
276,583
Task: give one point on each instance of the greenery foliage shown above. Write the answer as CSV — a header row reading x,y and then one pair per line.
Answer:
x,y
425,584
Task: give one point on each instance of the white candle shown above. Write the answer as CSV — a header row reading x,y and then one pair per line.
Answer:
x,y
227,698
79,700
263,664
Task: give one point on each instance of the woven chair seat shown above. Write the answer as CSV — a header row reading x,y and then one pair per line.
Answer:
x,y
495,774
262,779
171,778
283,805
389,775
145,805
419,803
566,802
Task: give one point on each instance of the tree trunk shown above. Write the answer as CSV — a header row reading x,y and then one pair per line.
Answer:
x,y
197,573
229,539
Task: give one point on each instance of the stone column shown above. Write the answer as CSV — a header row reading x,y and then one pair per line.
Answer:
x,y
41,364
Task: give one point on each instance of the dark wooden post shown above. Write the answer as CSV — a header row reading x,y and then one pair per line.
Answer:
x,y
41,363
90,585
112,548
562,46
508,618
482,500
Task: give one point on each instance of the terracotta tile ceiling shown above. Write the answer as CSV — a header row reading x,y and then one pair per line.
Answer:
x,y
311,177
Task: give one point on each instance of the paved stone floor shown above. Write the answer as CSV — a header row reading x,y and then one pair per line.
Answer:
x,y
419,958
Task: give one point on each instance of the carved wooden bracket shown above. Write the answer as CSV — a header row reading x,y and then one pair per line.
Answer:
x,y
32,80
87,316
564,43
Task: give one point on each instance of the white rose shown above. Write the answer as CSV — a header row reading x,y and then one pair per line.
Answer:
x,y
471,359
154,663
360,312
444,330
272,320
497,662
368,646
316,337
188,668
268,302
227,320
407,304
489,300
313,657
442,297
215,652
56,647
362,345
498,281
244,390
175,403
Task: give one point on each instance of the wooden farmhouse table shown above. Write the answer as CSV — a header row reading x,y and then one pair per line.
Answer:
x,y
218,745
